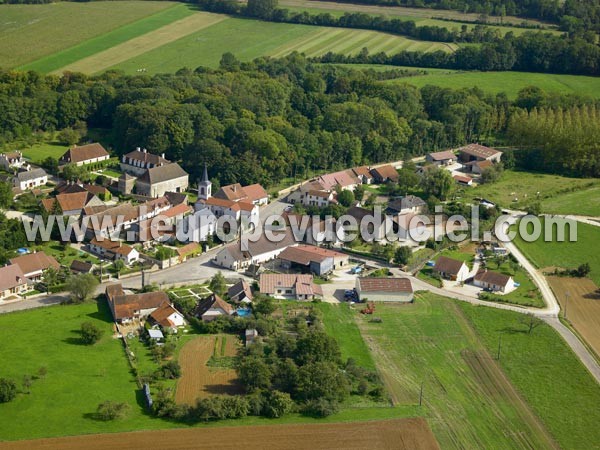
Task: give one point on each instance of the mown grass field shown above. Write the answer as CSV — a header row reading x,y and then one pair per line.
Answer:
x,y
340,323
249,39
566,254
31,32
517,189
509,82
38,152
469,403
108,40
546,372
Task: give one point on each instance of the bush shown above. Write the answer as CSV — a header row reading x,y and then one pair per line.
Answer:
x,y
276,404
110,410
170,370
321,407
8,390
90,333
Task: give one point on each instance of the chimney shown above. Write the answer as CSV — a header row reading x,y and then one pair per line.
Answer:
x,y
162,155
145,151
137,149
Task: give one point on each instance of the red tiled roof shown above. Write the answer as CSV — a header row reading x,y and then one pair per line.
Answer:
x,y
34,262
303,284
11,277
84,153
124,306
497,278
442,156
162,313
448,265
377,284
479,151
385,172
304,254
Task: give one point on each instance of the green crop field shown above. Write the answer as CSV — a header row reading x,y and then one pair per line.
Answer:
x,y
546,372
31,32
566,254
105,41
509,82
249,39
517,189
469,403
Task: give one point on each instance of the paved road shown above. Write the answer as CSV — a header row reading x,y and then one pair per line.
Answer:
x,y
30,303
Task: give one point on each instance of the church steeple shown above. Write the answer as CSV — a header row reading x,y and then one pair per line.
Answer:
x,y
205,186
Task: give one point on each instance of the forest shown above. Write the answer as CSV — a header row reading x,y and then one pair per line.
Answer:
x,y
266,120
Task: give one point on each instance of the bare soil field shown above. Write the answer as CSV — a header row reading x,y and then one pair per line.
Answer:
x,y
583,306
399,434
197,378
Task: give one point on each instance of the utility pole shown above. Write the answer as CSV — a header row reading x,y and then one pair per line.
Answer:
x,y
567,295
421,394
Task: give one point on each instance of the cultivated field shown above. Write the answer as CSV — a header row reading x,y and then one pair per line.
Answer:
x,y
545,372
509,82
582,306
111,39
199,379
30,32
400,434
469,402
249,39
416,14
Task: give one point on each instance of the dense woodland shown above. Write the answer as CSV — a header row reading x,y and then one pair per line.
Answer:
x,y
265,120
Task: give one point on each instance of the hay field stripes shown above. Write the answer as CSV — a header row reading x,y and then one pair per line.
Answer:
x,y
106,41
351,41
31,32
145,43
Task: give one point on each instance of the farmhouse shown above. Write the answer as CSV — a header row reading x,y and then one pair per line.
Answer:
x,y
312,193
478,166
11,160
384,289
344,179
156,181
240,292
494,281
12,282
309,258
30,179
85,154
300,287
33,265
71,204
167,316
234,258
384,174
114,250
476,152
138,161
128,307
212,307
405,205
254,194
451,269
445,158
364,174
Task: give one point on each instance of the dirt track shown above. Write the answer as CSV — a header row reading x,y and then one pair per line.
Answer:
x,y
399,434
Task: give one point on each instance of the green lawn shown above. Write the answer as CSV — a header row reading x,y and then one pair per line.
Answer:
x,y
430,343
340,323
566,254
516,189
509,82
585,202
527,294
79,377
31,32
249,39
546,373
105,41
39,152
65,256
